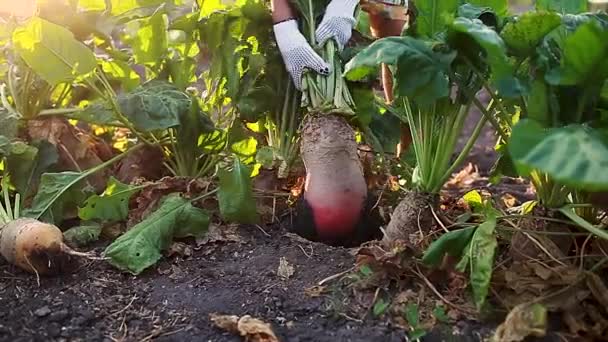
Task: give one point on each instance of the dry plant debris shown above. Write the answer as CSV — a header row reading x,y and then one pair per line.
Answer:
x,y
523,321
251,329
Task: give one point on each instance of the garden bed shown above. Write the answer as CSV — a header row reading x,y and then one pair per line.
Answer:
x,y
237,276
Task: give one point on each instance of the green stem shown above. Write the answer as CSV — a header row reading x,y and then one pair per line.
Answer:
x,y
5,102
463,154
580,110
571,214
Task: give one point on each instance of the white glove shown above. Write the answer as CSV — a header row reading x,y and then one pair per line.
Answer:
x,y
338,22
297,52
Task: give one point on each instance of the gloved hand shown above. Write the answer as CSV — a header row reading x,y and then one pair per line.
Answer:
x,y
338,22
297,53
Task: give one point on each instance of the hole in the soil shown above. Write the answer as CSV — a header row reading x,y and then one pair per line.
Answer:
x,y
367,229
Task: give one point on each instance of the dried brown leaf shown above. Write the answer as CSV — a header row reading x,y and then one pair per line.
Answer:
x,y
523,321
78,150
147,200
220,233
315,291
252,329
464,177
285,269
598,289
145,163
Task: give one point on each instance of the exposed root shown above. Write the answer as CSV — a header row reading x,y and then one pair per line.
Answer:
x,y
411,219
90,256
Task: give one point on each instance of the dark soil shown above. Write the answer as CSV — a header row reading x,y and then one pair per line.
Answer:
x,y
173,301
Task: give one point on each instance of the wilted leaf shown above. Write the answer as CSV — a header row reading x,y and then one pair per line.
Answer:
x,y
52,51
523,321
285,270
235,194
141,246
82,235
112,205
252,329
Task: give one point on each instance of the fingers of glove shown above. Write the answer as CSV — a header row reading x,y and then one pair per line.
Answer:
x,y
315,62
324,32
296,77
338,28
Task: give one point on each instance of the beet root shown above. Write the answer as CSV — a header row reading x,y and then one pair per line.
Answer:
x,y
34,246
411,216
366,229
335,190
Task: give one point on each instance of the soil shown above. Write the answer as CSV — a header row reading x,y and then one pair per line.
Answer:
x,y
173,301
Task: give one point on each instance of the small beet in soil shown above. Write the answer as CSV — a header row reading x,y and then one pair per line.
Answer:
x,y
412,216
35,246
335,204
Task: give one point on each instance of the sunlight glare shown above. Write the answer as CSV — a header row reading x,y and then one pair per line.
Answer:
x,y
19,8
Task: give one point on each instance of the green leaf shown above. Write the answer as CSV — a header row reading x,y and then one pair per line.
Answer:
x,y
421,72
380,307
433,15
412,315
9,123
417,334
486,14
584,57
98,113
481,258
123,6
82,235
155,105
574,155
57,192
27,163
562,6
440,314
452,243
141,246
500,7
495,51
525,34
111,206
150,41
121,71
538,103
235,194
52,51
473,199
